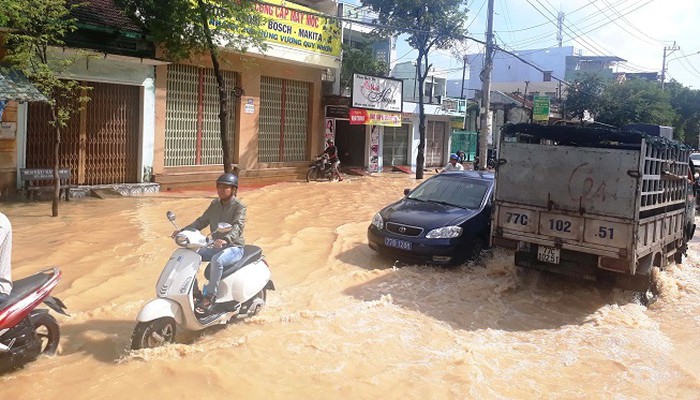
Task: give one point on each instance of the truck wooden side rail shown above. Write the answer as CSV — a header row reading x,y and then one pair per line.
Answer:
x,y
592,203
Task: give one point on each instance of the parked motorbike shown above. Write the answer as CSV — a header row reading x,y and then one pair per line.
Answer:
x,y
321,168
241,293
25,331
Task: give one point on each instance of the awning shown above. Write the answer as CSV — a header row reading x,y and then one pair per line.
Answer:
x,y
15,86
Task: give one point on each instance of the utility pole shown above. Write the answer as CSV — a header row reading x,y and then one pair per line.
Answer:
x,y
663,67
560,27
525,94
464,71
461,96
485,123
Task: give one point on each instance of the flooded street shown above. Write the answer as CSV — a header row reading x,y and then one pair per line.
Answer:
x,y
343,322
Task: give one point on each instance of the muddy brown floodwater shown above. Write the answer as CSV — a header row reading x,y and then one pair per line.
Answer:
x,y
343,323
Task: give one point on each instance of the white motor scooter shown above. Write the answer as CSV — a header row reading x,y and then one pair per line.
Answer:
x,y
241,291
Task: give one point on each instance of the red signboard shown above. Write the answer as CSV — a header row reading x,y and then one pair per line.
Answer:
x,y
373,117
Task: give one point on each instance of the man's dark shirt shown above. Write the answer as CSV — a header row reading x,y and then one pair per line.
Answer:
x,y
332,152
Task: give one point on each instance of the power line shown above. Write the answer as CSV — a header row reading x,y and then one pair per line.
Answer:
x,y
592,47
622,17
476,15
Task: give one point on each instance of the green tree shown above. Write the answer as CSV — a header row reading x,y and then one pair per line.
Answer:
x,y
185,28
686,103
435,24
360,60
636,101
37,30
584,94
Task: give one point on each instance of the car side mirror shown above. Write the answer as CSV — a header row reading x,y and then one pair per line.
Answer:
x,y
406,192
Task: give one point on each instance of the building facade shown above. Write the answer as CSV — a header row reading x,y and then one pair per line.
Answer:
x,y
275,111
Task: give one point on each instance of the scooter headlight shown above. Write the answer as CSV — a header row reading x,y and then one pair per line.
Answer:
x,y
182,240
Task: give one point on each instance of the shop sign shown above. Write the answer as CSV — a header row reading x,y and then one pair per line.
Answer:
x,y
8,130
540,108
337,112
249,107
292,25
377,93
372,117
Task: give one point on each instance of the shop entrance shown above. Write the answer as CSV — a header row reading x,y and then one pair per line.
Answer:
x,y
396,145
350,140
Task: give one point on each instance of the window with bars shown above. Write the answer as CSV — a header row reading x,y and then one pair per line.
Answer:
x,y
192,128
284,120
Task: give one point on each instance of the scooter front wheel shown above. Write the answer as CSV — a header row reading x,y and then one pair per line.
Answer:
x,y
312,175
150,334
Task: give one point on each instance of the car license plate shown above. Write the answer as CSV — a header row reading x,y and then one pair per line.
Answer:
x,y
399,244
548,254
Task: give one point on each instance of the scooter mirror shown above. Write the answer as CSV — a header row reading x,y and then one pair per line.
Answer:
x,y
224,227
171,216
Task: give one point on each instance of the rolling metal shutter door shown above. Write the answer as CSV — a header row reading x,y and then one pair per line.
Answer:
x,y
193,96
395,148
435,144
112,146
110,127
284,120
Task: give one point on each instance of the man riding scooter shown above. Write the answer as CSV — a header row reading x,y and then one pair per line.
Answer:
x,y
227,247
5,258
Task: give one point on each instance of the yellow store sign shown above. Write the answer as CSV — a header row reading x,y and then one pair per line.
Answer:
x,y
292,25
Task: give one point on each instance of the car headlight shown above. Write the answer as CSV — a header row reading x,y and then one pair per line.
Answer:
x,y
445,232
378,221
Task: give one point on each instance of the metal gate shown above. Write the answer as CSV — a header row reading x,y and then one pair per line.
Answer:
x,y
108,125
112,135
395,148
192,127
284,120
41,139
435,143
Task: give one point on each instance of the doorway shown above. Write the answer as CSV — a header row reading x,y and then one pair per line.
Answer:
x,y
350,140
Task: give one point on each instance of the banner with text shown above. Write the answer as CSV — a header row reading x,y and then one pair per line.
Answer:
x,y
300,27
377,93
372,117
540,108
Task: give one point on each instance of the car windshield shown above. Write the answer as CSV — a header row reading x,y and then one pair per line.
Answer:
x,y
451,190
695,158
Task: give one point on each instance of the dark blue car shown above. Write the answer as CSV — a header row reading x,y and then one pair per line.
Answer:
x,y
445,220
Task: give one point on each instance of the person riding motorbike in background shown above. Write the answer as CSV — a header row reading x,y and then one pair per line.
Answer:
x,y
332,152
227,248
5,258
453,165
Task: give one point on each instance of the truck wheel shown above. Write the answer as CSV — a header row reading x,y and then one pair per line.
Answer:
x,y
678,256
649,296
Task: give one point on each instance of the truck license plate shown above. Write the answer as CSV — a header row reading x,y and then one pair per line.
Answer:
x,y
399,244
548,254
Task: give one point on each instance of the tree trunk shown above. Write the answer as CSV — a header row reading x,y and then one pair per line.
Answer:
x,y
420,158
223,96
223,115
56,161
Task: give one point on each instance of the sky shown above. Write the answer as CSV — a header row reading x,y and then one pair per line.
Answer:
x,y
635,30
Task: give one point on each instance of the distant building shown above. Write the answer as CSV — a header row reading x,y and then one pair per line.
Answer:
x,y
359,34
511,74
434,88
